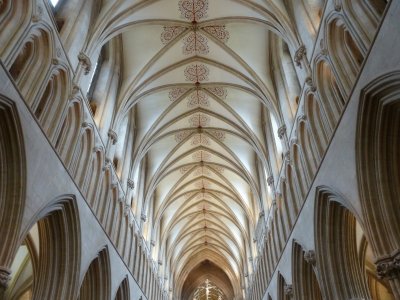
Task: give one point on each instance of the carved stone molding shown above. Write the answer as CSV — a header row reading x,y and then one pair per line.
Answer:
x,y
55,61
338,7
309,256
97,149
282,131
131,221
389,268
58,52
288,290
287,156
107,164
39,14
127,209
113,136
74,91
303,118
299,55
293,141
85,124
324,52
270,180
143,217
85,61
153,243
5,277
131,184
160,263
310,83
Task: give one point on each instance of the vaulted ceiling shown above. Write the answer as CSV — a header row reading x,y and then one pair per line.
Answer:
x,y
198,76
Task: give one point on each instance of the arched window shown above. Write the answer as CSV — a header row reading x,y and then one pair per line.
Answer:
x,y
278,142
95,77
56,7
54,3
94,80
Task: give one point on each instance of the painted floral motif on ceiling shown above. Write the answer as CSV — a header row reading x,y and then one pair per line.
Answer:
x,y
199,97
202,183
217,134
194,10
170,33
204,206
199,120
201,156
182,135
200,139
194,42
176,93
201,171
196,73
185,169
219,92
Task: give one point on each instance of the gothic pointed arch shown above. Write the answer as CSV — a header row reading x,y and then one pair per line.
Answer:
x,y
305,282
344,51
123,292
13,182
365,16
68,132
377,168
341,275
15,16
52,253
49,107
329,92
24,69
284,290
96,284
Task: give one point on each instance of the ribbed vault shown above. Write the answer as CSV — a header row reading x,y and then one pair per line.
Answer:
x,y
197,80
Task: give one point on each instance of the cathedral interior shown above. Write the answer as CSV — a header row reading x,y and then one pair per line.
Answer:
x,y
199,149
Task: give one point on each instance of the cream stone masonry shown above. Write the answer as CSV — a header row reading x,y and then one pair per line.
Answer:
x,y
199,149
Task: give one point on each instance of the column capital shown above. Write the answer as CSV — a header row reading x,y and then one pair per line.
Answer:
x,y
389,267
299,55
113,136
309,256
127,209
131,184
282,131
5,277
288,290
143,217
84,59
310,83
